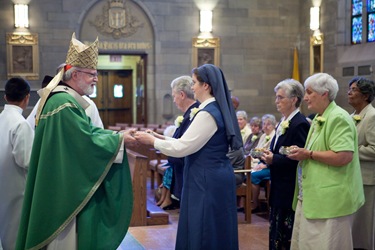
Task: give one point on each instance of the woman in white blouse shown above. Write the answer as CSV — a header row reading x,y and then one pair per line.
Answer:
x,y
208,213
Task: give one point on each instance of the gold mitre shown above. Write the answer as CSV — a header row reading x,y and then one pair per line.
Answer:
x,y
81,55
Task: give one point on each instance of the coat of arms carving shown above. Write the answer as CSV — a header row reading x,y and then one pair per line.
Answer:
x,y
116,20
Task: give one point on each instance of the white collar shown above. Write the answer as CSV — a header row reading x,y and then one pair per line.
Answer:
x,y
14,107
290,117
206,102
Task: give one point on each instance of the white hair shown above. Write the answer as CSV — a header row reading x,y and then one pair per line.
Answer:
x,y
241,113
321,83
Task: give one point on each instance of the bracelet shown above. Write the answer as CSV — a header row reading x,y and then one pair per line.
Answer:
x,y
311,155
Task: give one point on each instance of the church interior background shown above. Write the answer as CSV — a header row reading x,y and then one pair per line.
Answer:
x,y
145,44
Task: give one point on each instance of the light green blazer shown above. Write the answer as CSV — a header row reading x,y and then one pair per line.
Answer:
x,y
330,191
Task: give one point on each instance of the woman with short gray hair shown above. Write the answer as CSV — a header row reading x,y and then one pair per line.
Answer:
x,y
261,171
256,132
183,84
292,130
183,97
360,95
329,188
292,88
242,123
322,83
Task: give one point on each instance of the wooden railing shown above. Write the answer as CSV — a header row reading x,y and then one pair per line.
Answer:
x,y
144,212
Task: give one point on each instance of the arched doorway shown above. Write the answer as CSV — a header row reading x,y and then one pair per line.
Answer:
x,y
126,45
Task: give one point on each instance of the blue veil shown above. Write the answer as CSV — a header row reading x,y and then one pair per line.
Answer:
x,y
213,76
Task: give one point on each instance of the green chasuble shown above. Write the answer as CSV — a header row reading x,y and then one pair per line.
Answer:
x,y
72,174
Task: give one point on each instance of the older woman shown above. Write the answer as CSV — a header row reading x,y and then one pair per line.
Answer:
x,y
208,214
183,97
329,185
242,123
360,95
256,132
268,126
260,170
292,130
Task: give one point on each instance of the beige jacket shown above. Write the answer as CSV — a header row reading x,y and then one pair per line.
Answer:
x,y
366,144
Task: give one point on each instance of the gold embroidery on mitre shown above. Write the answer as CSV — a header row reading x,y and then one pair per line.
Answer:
x,y
82,56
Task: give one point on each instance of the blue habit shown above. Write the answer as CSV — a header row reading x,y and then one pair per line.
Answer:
x,y
178,163
208,213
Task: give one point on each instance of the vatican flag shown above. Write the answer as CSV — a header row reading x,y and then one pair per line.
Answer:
x,y
295,74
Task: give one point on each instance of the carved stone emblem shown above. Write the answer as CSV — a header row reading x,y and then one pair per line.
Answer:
x,y
116,20
117,16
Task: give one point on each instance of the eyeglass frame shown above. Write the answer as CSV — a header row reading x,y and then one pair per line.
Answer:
x,y
353,90
93,75
280,98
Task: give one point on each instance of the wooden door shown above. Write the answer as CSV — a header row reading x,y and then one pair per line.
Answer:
x,y
114,96
141,98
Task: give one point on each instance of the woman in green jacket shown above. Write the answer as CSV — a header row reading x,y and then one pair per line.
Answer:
x,y
329,186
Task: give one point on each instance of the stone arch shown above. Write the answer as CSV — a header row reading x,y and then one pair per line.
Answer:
x,y
146,34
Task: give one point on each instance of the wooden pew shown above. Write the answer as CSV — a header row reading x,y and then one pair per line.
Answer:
x,y
144,212
153,126
156,215
137,125
245,189
154,161
157,159
115,128
138,170
122,125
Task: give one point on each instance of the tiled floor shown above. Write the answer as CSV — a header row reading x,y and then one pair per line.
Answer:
x,y
252,236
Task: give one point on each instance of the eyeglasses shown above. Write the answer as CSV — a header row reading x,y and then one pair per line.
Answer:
x,y
352,90
279,97
93,75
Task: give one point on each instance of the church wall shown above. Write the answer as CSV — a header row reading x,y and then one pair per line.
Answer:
x,y
257,38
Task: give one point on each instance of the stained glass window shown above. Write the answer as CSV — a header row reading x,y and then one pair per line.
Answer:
x,y
370,5
356,7
363,17
370,20
356,30
357,21
371,28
